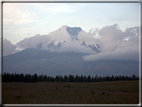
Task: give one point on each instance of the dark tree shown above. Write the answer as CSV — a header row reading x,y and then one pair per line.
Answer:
x,y
41,78
57,79
35,78
88,78
7,77
65,78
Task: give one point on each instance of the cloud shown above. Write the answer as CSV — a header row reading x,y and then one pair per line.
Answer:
x,y
8,47
33,42
16,13
75,46
38,41
52,7
21,13
113,45
120,55
94,33
68,46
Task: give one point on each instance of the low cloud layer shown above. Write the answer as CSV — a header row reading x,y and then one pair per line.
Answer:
x,y
75,46
33,42
127,55
116,44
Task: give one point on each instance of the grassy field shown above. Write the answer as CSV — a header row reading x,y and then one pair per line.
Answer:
x,y
116,92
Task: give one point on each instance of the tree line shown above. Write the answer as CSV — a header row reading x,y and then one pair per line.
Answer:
x,y
7,77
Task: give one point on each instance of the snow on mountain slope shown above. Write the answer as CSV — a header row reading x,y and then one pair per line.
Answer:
x,y
87,38
70,34
65,39
60,35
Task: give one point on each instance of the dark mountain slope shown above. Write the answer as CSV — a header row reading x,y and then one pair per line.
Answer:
x,y
53,63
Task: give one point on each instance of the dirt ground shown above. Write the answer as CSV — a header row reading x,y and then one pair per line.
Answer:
x,y
115,92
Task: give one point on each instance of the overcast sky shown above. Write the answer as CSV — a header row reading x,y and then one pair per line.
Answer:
x,y
21,20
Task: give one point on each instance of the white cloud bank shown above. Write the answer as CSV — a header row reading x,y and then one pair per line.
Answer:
x,y
33,42
113,45
75,46
8,48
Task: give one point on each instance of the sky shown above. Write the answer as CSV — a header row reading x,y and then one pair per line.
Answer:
x,y
116,24
23,20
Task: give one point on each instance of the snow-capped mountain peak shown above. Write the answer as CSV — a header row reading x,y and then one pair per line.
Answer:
x,y
63,27
69,34
63,39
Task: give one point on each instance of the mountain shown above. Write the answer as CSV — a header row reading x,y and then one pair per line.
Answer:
x,y
62,40
61,53
65,39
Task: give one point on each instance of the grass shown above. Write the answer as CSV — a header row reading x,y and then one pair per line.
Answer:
x,y
115,92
